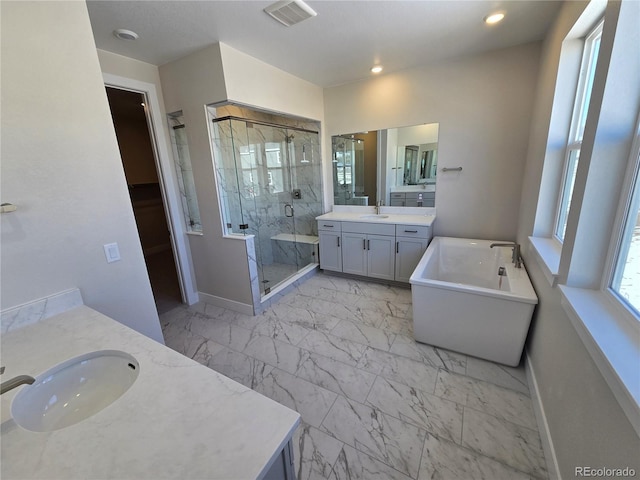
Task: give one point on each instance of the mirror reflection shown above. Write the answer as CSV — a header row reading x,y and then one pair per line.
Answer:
x,y
396,166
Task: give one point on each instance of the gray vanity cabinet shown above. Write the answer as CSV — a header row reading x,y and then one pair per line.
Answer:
x,y
412,199
384,251
411,243
330,236
368,254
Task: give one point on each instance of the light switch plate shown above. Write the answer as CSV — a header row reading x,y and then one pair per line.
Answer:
x,y
112,252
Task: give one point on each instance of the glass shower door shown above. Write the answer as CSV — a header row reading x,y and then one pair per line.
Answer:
x,y
272,220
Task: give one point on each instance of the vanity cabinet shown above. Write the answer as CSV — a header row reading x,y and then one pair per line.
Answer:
x,y
384,251
411,243
412,199
330,236
368,255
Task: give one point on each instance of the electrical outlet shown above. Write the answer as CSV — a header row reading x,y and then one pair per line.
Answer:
x,y
112,252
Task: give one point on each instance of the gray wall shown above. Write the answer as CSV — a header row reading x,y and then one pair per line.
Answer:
x,y
483,104
586,424
61,166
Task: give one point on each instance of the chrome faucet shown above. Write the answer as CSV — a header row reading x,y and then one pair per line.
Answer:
x,y
378,205
15,382
515,257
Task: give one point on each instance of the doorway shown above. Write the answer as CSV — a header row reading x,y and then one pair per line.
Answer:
x,y
129,113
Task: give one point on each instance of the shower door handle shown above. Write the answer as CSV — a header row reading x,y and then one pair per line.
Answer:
x,y
290,214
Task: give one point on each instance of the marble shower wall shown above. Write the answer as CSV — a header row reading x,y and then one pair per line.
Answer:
x,y
257,195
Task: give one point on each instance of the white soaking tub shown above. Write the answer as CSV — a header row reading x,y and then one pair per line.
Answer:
x,y
460,304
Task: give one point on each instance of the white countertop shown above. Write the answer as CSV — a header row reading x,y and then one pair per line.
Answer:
x,y
361,214
425,187
179,419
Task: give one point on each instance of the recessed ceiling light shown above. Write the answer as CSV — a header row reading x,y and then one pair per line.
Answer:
x,y
123,34
376,69
494,18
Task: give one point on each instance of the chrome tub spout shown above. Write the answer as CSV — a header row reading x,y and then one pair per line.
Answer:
x,y
515,257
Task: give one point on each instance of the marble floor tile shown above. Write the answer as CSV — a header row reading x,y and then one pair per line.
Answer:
x,y
503,441
314,452
389,440
300,317
395,324
282,355
508,377
355,465
443,460
364,334
406,346
270,325
335,309
399,369
368,393
336,376
195,347
333,347
309,400
434,414
500,402
239,367
220,331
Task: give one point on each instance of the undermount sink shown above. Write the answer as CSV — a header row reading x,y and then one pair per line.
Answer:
x,y
374,216
74,390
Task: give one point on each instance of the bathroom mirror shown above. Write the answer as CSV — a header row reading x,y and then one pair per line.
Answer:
x,y
396,166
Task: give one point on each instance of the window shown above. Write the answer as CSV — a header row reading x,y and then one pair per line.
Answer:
x,y
185,172
579,118
626,275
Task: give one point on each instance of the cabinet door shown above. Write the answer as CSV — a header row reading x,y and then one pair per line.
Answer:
x,y
354,253
380,256
330,251
409,251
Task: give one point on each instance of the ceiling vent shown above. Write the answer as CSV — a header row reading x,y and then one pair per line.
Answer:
x,y
290,12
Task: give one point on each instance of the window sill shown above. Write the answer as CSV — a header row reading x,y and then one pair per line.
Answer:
x,y
547,252
612,342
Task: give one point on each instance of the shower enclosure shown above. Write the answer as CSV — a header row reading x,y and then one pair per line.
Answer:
x,y
348,171
269,182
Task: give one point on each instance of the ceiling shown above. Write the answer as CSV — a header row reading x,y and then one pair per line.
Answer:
x,y
339,45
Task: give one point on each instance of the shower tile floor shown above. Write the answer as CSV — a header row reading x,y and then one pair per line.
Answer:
x,y
274,273
374,403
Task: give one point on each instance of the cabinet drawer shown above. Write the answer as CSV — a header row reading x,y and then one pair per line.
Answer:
x,y
414,195
412,231
329,225
401,196
369,228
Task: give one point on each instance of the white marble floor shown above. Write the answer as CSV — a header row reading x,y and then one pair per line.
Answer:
x,y
374,403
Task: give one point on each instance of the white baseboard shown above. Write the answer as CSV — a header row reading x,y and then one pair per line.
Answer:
x,y
226,303
541,419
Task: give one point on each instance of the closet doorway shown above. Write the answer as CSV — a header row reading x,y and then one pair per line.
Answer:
x,y
129,113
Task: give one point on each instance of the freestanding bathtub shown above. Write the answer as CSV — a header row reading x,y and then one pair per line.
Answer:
x,y
461,303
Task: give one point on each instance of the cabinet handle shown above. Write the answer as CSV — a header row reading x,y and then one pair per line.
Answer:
x,y
397,247
330,226
368,244
411,231
338,240
364,244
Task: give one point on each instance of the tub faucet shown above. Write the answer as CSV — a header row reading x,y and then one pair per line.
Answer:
x,y
515,257
378,205
15,382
